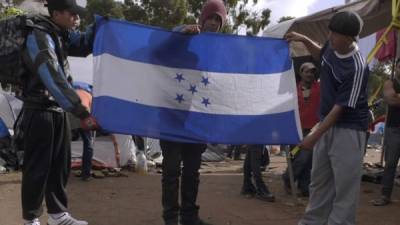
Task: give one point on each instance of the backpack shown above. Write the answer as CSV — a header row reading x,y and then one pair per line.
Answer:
x,y
13,33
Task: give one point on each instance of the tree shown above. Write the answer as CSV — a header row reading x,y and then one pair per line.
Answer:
x,y
170,13
109,8
380,72
285,18
8,9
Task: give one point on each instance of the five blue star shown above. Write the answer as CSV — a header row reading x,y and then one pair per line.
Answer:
x,y
192,89
205,81
206,101
179,77
179,98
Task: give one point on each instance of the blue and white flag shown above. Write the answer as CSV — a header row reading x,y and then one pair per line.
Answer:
x,y
209,88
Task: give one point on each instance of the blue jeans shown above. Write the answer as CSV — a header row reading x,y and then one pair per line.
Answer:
x,y
87,153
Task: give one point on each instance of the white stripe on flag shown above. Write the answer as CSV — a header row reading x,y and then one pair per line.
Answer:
x,y
208,92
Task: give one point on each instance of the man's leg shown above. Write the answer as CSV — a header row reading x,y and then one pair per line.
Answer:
x,y
254,153
302,168
304,173
248,188
56,195
171,171
262,191
87,153
346,153
191,157
37,127
237,153
139,142
265,159
392,155
299,165
322,191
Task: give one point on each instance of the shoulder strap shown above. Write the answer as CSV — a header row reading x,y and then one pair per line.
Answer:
x,y
36,22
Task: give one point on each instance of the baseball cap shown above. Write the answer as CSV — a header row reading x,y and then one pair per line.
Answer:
x,y
70,5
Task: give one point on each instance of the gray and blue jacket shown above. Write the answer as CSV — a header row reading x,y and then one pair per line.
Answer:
x,y
45,56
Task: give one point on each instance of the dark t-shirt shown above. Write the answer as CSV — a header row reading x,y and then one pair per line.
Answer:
x,y
344,82
393,116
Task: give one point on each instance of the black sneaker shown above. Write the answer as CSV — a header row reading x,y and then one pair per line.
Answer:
x,y
199,222
265,195
171,223
248,191
304,194
86,178
382,201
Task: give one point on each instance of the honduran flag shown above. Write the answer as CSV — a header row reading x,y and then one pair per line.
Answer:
x,y
209,88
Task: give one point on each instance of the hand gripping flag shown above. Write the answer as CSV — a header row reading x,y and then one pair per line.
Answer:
x,y
209,88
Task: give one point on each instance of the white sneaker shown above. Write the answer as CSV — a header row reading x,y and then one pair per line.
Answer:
x,y
33,222
65,219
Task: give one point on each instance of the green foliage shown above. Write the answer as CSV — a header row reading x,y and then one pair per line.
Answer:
x,y
109,8
285,18
170,13
378,74
17,2
9,11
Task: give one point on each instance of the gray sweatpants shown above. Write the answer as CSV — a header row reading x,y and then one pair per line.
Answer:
x,y
335,178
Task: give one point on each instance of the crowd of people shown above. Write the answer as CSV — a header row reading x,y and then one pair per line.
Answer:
x,y
333,108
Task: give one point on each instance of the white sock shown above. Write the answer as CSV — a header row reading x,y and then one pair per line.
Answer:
x,y
56,216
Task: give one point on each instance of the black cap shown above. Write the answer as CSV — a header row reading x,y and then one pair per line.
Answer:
x,y
346,23
69,5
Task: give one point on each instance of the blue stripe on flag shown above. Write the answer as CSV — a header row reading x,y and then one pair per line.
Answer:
x,y
229,53
121,116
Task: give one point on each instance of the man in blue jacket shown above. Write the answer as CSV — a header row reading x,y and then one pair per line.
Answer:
x,y
46,96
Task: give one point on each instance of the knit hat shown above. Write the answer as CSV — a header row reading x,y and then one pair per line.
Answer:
x,y
346,23
211,7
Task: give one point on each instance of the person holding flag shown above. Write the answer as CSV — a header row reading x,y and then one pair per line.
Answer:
x,y
212,18
340,138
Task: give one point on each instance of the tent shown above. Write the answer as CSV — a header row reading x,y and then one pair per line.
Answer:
x,y
375,13
10,107
104,151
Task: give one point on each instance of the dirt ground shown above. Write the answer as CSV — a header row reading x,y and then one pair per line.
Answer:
x,y
135,199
